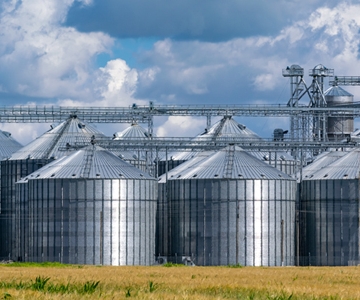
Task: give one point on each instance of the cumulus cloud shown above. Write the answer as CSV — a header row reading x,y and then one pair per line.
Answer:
x,y
192,68
181,126
43,61
43,57
202,20
40,57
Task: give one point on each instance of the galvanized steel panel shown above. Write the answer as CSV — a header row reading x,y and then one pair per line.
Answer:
x,y
96,220
246,230
331,222
96,230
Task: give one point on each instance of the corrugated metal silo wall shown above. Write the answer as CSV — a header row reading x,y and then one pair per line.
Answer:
x,y
12,171
22,218
222,222
162,222
339,126
329,222
93,221
286,166
171,164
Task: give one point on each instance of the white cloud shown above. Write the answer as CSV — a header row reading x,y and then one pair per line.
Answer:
x,y
329,36
42,58
181,127
25,133
39,57
264,82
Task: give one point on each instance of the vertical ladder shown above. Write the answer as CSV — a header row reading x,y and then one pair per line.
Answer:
x,y
89,154
229,159
220,127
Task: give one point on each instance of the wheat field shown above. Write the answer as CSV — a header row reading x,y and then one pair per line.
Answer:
x,y
36,281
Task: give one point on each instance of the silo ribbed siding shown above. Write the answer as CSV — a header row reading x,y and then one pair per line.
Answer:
x,y
339,127
93,221
11,172
221,222
162,216
53,144
330,222
162,222
73,215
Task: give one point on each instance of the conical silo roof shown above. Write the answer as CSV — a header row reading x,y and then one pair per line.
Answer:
x,y
8,145
58,141
186,165
322,161
90,162
346,167
135,131
337,91
227,127
231,162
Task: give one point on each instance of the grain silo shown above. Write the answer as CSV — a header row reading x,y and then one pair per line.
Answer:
x,y
140,157
8,145
163,232
227,129
339,128
322,160
330,214
90,208
57,142
232,208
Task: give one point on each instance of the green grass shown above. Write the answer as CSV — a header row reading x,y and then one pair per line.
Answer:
x,y
170,264
235,266
43,284
42,264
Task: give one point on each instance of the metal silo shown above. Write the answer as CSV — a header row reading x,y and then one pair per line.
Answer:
x,y
140,158
322,160
226,130
8,145
339,128
232,208
330,214
57,142
163,233
90,208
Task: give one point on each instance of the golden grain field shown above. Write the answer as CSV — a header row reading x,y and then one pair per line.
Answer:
x,y
159,282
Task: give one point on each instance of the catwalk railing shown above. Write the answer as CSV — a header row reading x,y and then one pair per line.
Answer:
x,y
198,144
144,114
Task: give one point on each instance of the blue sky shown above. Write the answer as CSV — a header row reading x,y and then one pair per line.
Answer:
x,y
119,52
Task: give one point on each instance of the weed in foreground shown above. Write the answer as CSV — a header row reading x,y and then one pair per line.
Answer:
x,y
152,286
235,266
60,288
128,292
170,264
45,264
6,296
281,296
89,287
39,284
